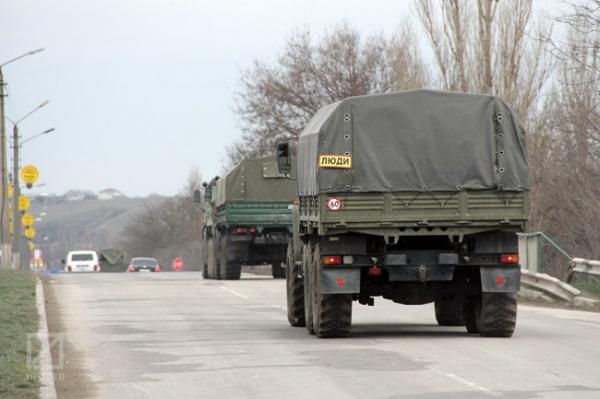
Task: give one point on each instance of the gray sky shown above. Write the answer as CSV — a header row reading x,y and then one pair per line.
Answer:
x,y
142,90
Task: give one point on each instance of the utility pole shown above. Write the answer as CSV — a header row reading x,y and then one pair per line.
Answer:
x,y
16,194
16,212
6,260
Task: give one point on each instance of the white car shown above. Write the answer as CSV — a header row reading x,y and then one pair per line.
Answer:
x,y
81,261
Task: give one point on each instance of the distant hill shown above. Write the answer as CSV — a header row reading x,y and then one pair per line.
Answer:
x,y
90,223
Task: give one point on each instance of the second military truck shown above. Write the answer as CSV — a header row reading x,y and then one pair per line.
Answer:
x,y
412,196
247,219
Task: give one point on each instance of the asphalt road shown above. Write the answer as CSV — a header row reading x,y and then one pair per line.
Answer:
x,y
174,335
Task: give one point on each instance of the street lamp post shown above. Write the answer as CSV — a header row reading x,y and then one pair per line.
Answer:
x,y
4,230
16,244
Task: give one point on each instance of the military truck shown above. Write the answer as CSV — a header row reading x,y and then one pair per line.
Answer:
x,y
248,219
415,197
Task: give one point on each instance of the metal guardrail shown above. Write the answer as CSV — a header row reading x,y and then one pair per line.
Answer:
x,y
549,285
589,268
530,254
530,249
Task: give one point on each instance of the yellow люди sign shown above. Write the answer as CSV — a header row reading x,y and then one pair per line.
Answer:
x,y
335,161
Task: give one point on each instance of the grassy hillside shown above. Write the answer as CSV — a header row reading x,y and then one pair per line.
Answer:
x,y
89,224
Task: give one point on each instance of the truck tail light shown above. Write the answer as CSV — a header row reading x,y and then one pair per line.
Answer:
x,y
252,230
375,271
157,268
69,268
131,268
509,258
332,260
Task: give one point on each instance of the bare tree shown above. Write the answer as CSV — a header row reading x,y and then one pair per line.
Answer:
x,y
275,102
582,21
170,229
569,197
489,47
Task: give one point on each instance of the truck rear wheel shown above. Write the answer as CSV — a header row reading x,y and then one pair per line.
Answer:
x,y
449,312
295,290
225,269
470,314
308,291
493,314
332,313
205,271
277,271
231,271
211,261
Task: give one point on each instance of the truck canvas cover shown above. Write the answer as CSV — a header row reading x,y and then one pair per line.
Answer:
x,y
256,180
418,140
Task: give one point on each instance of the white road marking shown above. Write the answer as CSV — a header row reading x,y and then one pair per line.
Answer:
x,y
233,292
471,384
278,307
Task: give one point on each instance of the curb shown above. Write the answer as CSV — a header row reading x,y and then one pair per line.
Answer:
x,y
47,387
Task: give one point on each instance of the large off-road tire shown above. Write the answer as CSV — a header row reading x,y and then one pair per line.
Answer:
x,y
277,270
211,260
227,269
204,271
308,309
231,271
294,290
494,314
219,256
470,315
332,313
449,312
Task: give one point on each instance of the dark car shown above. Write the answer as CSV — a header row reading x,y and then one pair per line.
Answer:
x,y
143,265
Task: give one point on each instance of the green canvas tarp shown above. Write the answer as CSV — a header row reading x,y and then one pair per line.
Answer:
x,y
113,260
256,180
418,140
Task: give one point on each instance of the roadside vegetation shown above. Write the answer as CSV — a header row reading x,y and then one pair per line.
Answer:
x,y
18,319
169,229
589,288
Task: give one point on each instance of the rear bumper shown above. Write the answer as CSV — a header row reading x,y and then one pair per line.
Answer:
x,y
141,269
81,270
494,278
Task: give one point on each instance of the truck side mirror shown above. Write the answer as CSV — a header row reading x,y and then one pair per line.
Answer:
x,y
197,198
284,164
63,261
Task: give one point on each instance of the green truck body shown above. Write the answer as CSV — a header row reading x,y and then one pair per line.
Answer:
x,y
412,196
248,219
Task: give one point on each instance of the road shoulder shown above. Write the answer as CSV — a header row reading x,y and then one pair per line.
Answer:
x,y
70,376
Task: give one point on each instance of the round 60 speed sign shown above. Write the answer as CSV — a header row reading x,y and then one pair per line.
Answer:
x,y
334,204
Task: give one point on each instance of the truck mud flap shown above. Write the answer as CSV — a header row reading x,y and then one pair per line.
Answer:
x,y
340,281
500,279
